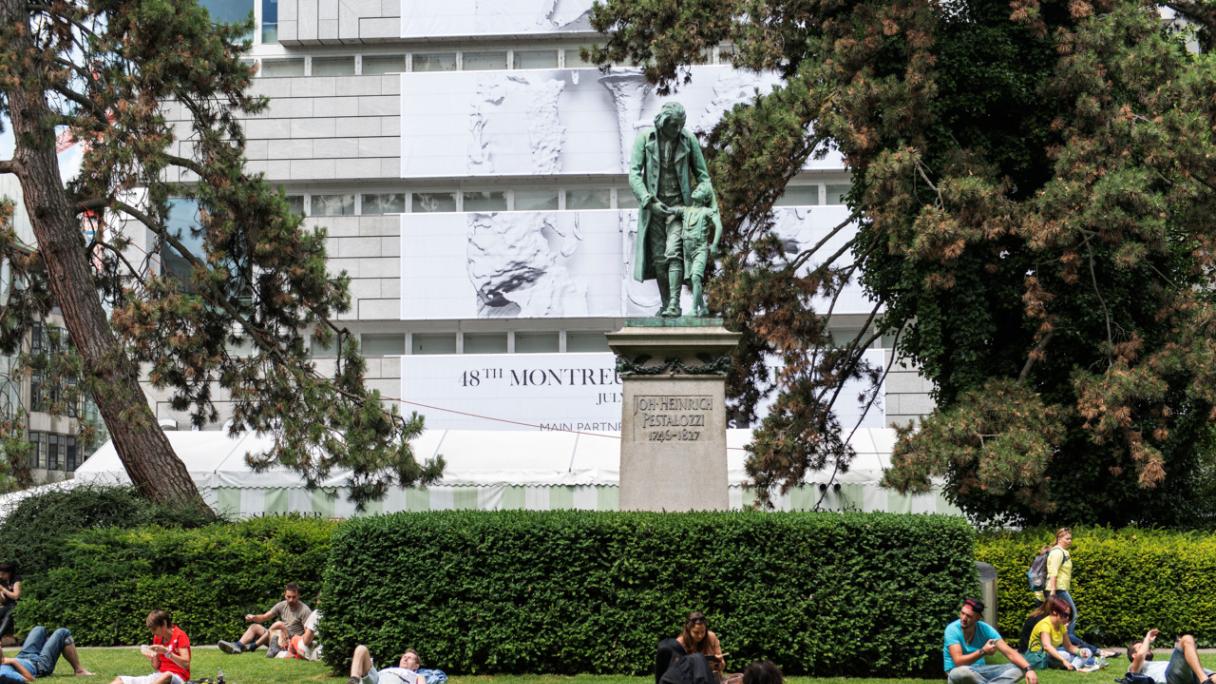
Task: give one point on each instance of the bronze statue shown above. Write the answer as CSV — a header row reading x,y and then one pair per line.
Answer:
x,y
666,167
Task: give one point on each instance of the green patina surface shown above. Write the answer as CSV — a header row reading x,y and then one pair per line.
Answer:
x,y
681,322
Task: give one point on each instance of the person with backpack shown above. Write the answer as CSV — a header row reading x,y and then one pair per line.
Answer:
x,y
1183,666
1057,583
968,640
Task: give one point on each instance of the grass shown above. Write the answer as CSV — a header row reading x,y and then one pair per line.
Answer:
x,y
107,663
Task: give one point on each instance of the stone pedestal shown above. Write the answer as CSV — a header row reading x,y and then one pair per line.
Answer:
x,y
673,423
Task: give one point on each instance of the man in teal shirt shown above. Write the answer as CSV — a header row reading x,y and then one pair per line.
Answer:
x,y
968,640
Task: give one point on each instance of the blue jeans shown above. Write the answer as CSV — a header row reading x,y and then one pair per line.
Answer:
x,y
1077,641
43,651
984,674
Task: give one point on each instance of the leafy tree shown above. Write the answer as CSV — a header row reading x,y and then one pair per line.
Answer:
x,y
1033,189
104,71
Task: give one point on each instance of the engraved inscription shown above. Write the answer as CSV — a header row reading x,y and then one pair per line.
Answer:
x,y
663,418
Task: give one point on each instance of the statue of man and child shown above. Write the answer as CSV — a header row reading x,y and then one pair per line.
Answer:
x,y
678,224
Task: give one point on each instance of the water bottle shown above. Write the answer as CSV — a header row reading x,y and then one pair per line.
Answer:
x,y
219,677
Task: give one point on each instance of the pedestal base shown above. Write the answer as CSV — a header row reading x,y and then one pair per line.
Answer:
x,y
673,423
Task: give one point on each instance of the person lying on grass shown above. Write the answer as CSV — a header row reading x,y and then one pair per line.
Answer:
x,y
1183,667
169,653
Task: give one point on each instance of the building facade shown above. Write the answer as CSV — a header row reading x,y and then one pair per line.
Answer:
x,y
470,169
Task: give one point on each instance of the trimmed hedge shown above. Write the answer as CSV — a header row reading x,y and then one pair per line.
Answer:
x,y
571,591
208,578
1124,582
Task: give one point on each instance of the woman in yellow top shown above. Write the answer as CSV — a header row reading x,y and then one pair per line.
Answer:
x,y
1049,645
1059,582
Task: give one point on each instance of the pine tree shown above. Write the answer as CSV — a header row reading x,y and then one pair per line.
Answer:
x,y
104,71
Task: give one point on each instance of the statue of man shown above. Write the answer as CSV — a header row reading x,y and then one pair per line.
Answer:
x,y
667,164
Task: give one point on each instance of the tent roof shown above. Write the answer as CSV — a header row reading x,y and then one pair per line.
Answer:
x,y
473,458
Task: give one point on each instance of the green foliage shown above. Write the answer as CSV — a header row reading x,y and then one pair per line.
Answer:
x,y
1032,184
1124,582
34,533
208,578
568,592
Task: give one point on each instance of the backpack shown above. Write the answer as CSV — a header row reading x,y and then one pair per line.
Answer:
x,y
1036,576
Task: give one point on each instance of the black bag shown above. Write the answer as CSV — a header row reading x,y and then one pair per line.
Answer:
x,y
1135,678
690,669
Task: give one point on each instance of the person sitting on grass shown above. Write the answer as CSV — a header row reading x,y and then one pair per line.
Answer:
x,y
765,672
968,640
408,671
290,614
306,646
10,593
169,653
1183,667
39,655
1049,644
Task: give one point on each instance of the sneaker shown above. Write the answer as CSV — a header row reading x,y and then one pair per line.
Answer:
x,y
230,647
273,648
354,680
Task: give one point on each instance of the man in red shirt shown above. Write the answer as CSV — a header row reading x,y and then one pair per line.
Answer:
x,y
169,653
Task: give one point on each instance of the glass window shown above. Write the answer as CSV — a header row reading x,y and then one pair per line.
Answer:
x,y
536,342
726,53
836,193
385,203
798,196
574,59
183,224
586,342
296,204
72,454
387,344
383,64
325,351
625,199
535,59
276,68
536,200
485,343
485,201
229,11
597,198
333,205
482,61
270,21
333,66
434,343
52,451
434,61
434,201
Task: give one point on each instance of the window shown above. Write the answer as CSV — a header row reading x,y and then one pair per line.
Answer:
x,y
296,204
536,342
383,64
333,205
435,61
485,201
586,342
798,195
588,199
389,203
536,200
482,61
183,224
72,459
836,193
276,68
270,21
229,11
52,452
625,199
535,59
333,66
391,344
434,201
324,351
434,343
39,401
37,458
485,343
574,59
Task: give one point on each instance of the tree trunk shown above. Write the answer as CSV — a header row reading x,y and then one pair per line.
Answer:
x,y
145,452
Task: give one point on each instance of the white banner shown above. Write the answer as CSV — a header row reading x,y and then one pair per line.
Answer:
x,y
555,121
463,18
514,391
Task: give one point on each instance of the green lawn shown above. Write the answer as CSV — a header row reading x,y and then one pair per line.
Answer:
x,y
256,669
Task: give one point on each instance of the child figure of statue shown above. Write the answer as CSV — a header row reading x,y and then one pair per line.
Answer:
x,y
699,220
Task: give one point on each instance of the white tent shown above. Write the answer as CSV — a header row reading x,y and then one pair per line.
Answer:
x,y
500,470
